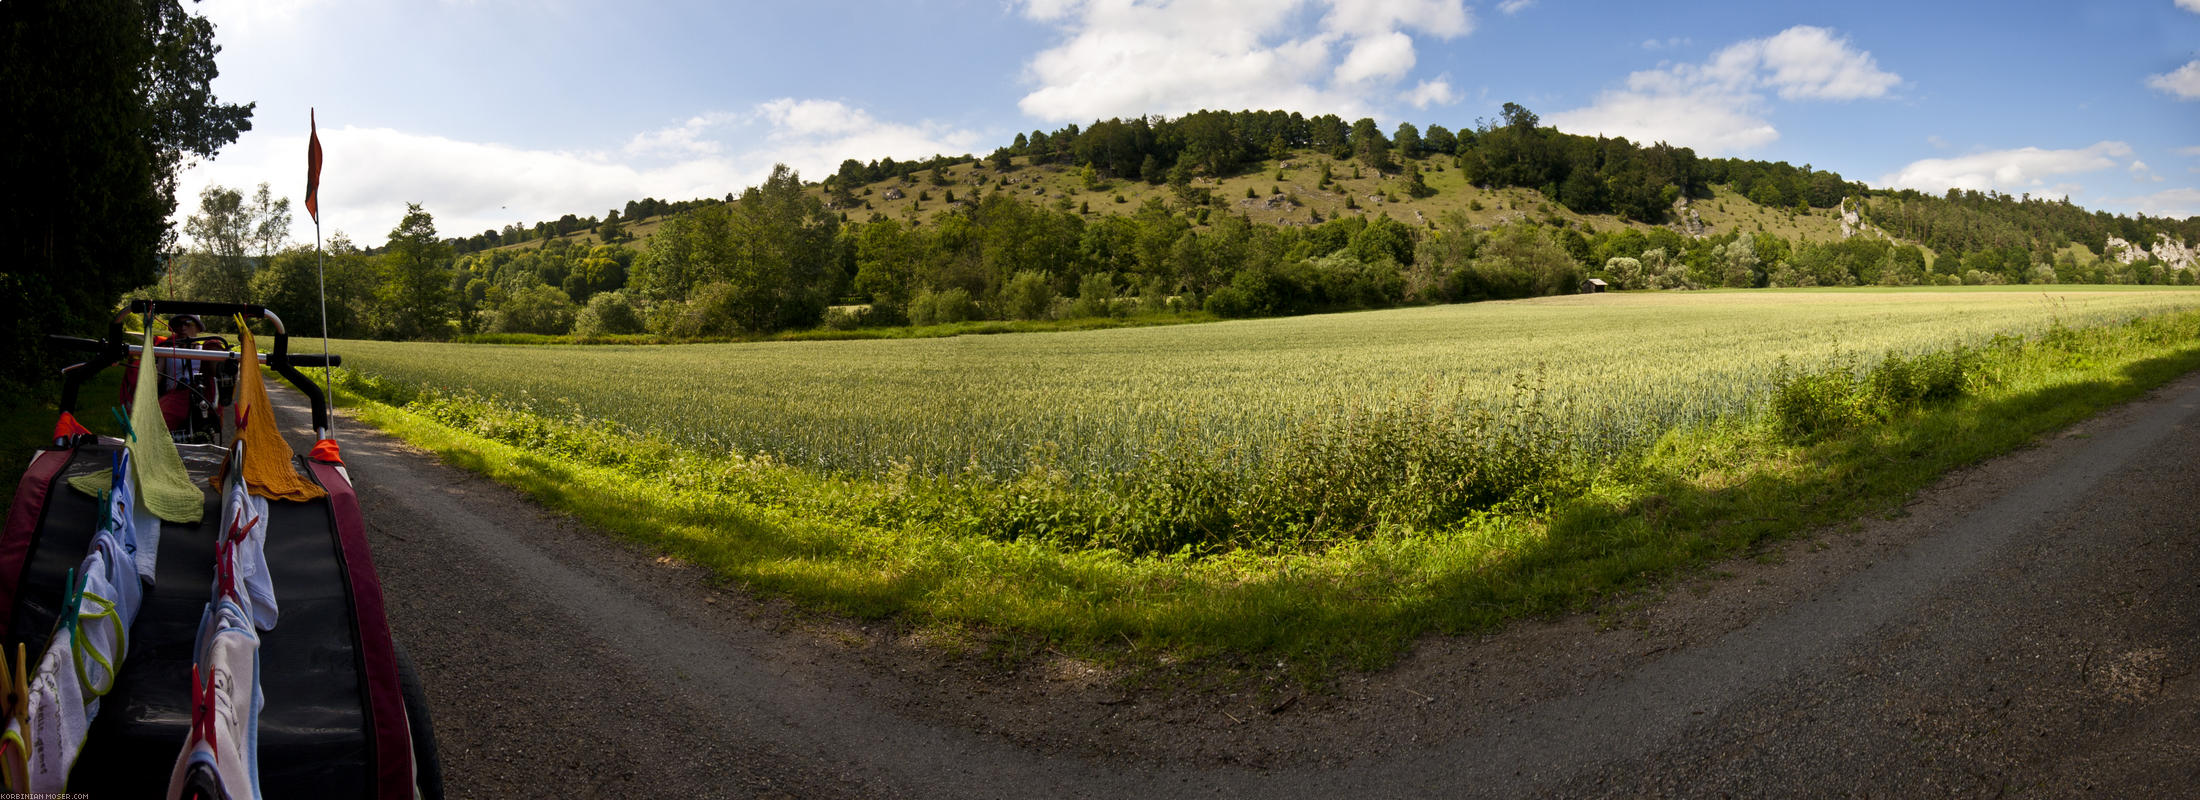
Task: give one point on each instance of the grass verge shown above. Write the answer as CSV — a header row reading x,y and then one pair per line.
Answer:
x,y
834,543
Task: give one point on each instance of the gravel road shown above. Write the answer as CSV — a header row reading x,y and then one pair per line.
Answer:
x,y
2027,625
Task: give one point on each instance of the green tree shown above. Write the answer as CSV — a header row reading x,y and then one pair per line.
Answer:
x,y
414,298
1416,186
690,249
1369,146
536,309
783,261
1440,139
611,231
106,101
291,285
1407,141
217,267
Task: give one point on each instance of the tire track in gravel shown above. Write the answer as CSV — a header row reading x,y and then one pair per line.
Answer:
x,y
2022,627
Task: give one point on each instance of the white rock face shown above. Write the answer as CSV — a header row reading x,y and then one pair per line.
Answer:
x,y
2176,254
2173,253
2124,252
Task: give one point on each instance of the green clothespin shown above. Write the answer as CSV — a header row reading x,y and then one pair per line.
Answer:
x,y
127,432
72,598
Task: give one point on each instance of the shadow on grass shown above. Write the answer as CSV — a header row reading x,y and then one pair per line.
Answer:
x,y
1677,520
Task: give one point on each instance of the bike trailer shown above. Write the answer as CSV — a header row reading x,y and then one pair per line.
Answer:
x,y
337,712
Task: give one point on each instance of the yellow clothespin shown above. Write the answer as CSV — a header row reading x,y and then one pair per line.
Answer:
x,y
19,687
7,695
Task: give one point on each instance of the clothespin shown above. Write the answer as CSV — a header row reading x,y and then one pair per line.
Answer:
x,y
225,569
19,689
8,700
202,709
72,596
128,433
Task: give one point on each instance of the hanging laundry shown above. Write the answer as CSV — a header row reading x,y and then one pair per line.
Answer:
x,y
108,604
52,727
162,484
221,753
269,463
134,525
244,522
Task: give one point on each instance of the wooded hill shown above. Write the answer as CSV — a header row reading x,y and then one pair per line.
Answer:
x,y
1257,213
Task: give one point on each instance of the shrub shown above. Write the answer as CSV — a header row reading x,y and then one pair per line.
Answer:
x,y
1095,296
848,318
942,307
536,309
1028,295
1809,404
608,313
707,312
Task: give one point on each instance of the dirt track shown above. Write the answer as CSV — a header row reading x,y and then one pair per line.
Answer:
x,y
2028,625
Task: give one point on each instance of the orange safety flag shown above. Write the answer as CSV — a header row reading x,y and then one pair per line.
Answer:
x,y
313,168
267,457
66,429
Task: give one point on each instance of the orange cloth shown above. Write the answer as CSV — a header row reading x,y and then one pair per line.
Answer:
x,y
267,457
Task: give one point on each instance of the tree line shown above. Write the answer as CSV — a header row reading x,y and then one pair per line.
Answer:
x,y
106,100
781,256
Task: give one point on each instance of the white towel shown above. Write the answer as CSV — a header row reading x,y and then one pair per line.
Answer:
x,y
58,721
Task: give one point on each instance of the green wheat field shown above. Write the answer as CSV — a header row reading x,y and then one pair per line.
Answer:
x,y
1612,371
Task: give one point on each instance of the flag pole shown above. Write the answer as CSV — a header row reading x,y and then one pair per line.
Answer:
x,y
313,208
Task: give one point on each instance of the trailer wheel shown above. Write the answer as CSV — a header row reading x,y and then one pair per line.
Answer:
x,y
427,764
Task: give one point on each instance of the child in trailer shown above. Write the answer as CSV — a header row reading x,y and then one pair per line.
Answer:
x,y
186,385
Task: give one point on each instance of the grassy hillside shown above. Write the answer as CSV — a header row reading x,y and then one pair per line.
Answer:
x,y
1284,192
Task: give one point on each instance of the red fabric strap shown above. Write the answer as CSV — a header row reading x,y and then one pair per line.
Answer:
x,y
30,507
377,654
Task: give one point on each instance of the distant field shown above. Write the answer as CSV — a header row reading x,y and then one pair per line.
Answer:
x,y
1614,369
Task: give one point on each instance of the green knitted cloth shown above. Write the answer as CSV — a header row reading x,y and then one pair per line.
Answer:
x,y
163,486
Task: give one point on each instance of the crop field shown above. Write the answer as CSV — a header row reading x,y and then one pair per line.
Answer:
x,y
1611,371
1321,489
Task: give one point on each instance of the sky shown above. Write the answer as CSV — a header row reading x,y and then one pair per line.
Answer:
x,y
494,112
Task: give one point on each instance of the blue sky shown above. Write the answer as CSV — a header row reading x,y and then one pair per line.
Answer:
x,y
491,112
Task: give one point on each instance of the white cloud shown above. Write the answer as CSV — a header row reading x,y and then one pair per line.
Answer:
x,y
1717,106
1436,92
252,21
1808,62
1384,57
1126,58
684,139
370,173
1712,122
2195,149
1937,142
2010,171
1443,18
1510,7
2176,203
1666,43
2143,173
2189,5
2183,83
